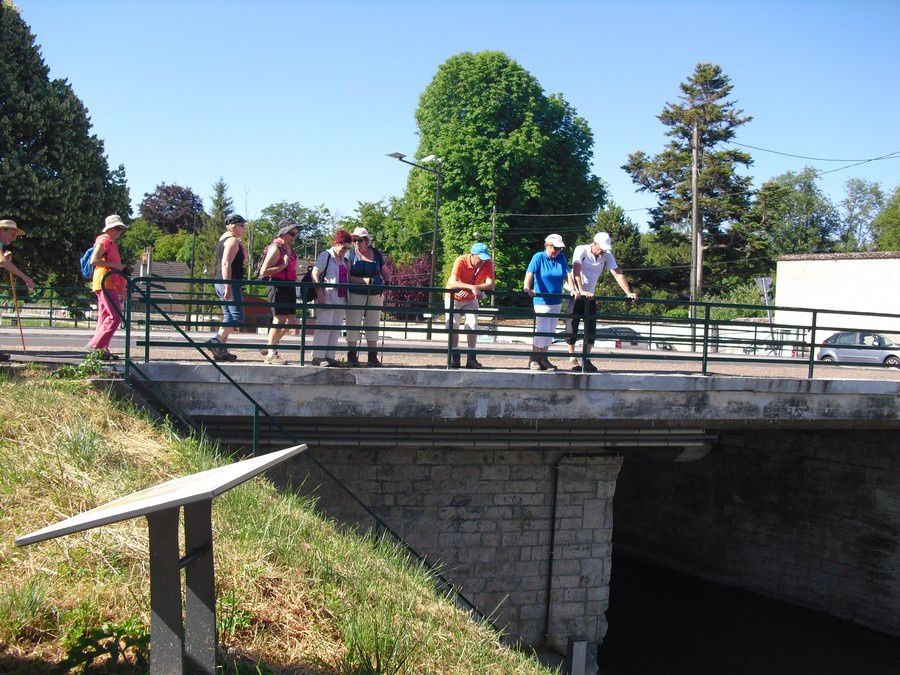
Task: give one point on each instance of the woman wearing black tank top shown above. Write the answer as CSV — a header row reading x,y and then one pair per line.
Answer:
x,y
231,257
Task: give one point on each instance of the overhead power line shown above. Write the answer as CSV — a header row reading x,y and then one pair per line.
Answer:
x,y
814,159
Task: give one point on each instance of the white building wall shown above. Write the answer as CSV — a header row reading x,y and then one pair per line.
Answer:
x,y
849,282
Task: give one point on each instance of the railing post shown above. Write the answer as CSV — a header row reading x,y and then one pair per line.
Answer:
x,y
451,327
705,338
147,321
812,346
128,290
51,307
255,429
584,331
303,332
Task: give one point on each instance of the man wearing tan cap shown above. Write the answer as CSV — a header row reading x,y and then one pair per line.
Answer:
x,y
109,289
8,233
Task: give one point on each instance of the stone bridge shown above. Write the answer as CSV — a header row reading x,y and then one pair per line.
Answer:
x,y
789,488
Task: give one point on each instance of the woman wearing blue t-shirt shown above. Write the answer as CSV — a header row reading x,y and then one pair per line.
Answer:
x,y
544,281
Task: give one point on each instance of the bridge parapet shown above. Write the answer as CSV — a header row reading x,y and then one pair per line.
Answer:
x,y
627,399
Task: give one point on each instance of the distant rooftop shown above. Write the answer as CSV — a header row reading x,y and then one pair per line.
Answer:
x,y
862,255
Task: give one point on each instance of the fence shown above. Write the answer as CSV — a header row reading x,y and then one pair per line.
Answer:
x,y
503,330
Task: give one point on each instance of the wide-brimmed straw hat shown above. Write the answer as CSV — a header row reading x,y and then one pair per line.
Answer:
x,y
10,225
113,222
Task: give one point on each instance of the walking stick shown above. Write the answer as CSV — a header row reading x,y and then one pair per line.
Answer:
x,y
12,285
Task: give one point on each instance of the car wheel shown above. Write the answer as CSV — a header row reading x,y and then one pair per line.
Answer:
x,y
892,362
827,359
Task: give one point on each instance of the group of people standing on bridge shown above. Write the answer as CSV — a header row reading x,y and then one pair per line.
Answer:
x,y
351,276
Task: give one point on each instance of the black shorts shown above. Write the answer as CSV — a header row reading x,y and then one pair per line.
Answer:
x,y
285,299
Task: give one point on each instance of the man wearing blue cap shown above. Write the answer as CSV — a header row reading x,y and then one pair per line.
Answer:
x,y
472,275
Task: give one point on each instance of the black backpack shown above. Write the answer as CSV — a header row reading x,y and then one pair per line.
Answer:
x,y
307,293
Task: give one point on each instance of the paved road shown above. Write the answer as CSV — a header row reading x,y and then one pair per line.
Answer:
x,y
69,345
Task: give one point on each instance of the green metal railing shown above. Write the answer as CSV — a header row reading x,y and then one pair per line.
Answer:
x,y
705,340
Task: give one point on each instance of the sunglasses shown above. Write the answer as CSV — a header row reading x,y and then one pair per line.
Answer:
x,y
557,248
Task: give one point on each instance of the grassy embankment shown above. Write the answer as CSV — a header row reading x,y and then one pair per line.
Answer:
x,y
296,592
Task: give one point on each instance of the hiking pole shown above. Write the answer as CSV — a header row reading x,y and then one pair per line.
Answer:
x,y
12,285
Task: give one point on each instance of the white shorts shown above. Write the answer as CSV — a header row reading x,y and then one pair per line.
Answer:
x,y
471,314
544,324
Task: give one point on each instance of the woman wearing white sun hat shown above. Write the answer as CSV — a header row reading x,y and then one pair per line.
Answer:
x,y
544,279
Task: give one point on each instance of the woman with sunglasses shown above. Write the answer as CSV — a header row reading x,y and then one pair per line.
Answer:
x,y
280,264
544,279
365,300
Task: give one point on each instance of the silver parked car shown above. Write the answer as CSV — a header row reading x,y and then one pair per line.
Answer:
x,y
860,346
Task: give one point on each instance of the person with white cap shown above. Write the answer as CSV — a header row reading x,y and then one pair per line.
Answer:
x,y
588,263
365,301
544,279
280,264
472,275
109,288
8,233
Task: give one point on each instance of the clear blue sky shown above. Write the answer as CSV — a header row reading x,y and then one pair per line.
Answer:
x,y
300,101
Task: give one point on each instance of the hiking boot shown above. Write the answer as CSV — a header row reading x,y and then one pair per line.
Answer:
x,y
574,366
274,359
534,364
352,358
215,347
455,361
472,363
545,364
331,363
225,356
373,361
590,368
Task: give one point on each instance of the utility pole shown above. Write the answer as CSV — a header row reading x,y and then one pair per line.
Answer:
x,y
696,242
494,246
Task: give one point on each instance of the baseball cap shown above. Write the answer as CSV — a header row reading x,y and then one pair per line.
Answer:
x,y
554,240
481,250
603,240
362,232
235,219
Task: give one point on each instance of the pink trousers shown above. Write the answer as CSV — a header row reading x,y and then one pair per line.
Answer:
x,y
109,312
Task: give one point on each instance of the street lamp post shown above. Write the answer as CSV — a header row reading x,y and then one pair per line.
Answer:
x,y
430,159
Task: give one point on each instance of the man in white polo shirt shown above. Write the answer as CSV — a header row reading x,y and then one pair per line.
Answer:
x,y
588,263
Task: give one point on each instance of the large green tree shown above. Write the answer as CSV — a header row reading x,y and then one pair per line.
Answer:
x,y
54,177
504,143
723,194
862,202
886,227
791,215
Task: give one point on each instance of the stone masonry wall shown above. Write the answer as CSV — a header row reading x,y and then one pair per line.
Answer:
x,y
809,518
485,517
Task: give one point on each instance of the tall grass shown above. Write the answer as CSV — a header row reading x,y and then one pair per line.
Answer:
x,y
297,593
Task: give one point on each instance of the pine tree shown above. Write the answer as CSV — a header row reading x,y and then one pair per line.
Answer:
x,y
724,196
54,177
